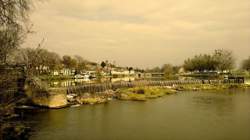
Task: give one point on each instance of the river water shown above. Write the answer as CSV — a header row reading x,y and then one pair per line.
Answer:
x,y
209,115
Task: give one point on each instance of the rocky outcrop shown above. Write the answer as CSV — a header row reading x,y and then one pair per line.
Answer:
x,y
41,95
53,99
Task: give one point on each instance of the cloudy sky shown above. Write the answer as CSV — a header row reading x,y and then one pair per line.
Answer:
x,y
142,33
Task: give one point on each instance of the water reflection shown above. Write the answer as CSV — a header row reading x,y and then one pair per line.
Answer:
x,y
219,104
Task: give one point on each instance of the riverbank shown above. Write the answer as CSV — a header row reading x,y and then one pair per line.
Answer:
x,y
142,93
44,96
200,87
135,94
206,115
145,93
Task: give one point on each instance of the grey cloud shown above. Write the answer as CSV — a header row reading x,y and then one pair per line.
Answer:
x,y
150,32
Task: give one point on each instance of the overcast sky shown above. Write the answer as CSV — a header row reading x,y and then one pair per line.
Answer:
x,y
142,33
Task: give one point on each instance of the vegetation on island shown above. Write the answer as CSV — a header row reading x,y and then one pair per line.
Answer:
x,y
201,87
143,93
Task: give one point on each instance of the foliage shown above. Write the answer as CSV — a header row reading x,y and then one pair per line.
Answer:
x,y
81,63
13,25
37,61
200,63
69,62
103,64
220,60
9,41
246,64
168,70
224,59
40,61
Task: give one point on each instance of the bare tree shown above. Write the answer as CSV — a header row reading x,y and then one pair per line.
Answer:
x,y
13,25
224,59
168,70
81,63
37,60
69,62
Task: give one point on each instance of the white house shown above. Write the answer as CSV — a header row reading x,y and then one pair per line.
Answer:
x,y
125,72
66,71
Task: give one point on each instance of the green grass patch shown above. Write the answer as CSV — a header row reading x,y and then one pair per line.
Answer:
x,y
143,93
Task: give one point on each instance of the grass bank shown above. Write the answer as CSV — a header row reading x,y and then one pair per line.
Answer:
x,y
143,93
200,87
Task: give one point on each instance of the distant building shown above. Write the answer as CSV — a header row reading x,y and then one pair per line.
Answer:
x,y
67,71
122,72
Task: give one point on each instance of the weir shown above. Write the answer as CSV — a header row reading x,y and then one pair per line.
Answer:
x,y
102,87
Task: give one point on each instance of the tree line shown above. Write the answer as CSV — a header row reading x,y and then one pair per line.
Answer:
x,y
41,61
246,64
219,61
15,25
169,70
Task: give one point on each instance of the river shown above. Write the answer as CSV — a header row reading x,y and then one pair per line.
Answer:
x,y
207,115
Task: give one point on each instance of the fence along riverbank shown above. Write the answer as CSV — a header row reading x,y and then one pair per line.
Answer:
x,y
101,87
